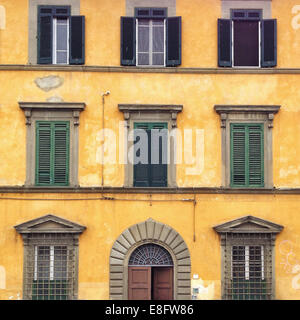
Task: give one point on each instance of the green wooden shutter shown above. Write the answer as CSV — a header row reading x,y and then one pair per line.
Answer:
x,y
255,154
52,153
238,155
159,171
61,153
43,153
141,171
152,175
247,155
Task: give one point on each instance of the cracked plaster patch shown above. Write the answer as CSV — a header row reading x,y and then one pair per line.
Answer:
x,y
49,83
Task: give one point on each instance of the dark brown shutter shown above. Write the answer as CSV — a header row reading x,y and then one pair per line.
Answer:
x,y
45,37
128,36
224,43
173,48
77,40
269,43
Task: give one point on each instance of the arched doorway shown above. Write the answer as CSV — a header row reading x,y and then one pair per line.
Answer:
x,y
149,232
150,273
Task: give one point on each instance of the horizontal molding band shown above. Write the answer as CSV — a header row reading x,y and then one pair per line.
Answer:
x,y
119,69
123,190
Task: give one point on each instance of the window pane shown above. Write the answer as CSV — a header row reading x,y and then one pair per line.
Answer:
x,y
60,262
246,47
143,39
62,37
158,39
143,58
43,262
62,57
158,59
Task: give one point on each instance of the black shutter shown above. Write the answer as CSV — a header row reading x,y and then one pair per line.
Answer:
x,y
45,35
141,171
77,40
269,43
128,56
159,170
224,43
173,43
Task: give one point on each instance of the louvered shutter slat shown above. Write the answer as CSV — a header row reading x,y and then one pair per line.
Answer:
x,y
141,170
77,40
255,156
43,153
173,41
159,171
61,153
238,158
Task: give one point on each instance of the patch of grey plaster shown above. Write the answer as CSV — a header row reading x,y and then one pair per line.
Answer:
x,y
49,83
55,99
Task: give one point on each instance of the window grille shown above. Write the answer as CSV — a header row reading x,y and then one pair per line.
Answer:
x,y
150,255
248,266
50,267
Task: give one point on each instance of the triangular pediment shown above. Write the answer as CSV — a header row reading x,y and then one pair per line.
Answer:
x,y
49,224
248,224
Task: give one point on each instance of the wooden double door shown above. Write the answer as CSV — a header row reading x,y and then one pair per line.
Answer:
x,y
150,283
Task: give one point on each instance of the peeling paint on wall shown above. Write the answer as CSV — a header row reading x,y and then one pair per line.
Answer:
x,y
49,83
55,99
2,18
2,278
202,290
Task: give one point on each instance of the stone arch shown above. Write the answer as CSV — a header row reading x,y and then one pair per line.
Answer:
x,y
149,231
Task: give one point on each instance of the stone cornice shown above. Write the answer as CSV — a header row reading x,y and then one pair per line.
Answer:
x,y
132,190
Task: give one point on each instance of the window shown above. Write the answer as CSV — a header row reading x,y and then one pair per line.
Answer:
x,y
247,40
246,145
50,258
52,143
150,38
60,36
247,155
247,258
150,144
151,155
50,273
52,153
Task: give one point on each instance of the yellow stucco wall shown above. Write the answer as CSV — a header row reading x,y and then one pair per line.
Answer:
x,y
199,31
198,93
106,220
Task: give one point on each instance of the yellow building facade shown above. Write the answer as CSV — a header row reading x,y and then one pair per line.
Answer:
x,y
216,235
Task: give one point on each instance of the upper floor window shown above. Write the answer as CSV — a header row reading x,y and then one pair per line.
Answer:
x,y
52,143
247,156
60,36
151,38
150,163
247,40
